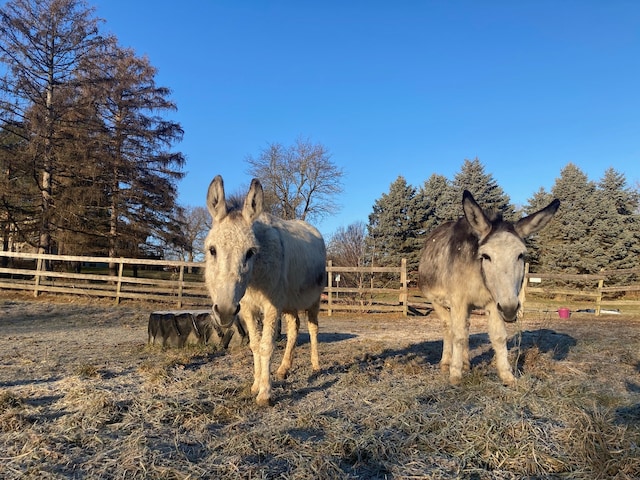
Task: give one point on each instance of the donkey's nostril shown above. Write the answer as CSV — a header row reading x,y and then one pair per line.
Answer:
x,y
224,312
508,312
225,318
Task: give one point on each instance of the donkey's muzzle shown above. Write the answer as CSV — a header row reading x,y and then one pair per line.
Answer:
x,y
508,312
225,316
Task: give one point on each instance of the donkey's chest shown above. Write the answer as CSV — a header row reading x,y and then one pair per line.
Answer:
x,y
460,290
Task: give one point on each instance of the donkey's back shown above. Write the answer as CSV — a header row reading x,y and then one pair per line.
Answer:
x,y
291,263
449,268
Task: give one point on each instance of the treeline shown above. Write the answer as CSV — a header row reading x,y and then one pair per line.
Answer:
x,y
87,164
597,226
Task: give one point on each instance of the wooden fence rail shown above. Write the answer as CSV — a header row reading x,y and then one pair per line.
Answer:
x,y
180,288
363,298
29,274
547,285
180,283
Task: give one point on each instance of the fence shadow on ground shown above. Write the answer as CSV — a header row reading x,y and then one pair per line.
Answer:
x,y
331,337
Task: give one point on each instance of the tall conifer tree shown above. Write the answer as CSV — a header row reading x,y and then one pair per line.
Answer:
x,y
483,187
617,229
42,43
394,227
439,202
568,242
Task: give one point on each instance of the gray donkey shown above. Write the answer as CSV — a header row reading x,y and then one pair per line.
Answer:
x,y
260,266
477,262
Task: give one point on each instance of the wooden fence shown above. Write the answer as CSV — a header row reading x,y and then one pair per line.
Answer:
x,y
379,289
599,296
371,297
164,281
170,281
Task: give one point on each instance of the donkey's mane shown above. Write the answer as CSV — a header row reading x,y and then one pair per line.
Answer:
x,y
234,204
464,239
498,224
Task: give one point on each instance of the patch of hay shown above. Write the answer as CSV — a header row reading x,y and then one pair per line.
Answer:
x,y
379,408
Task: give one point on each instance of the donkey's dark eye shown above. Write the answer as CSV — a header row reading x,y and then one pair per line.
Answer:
x,y
486,257
250,253
521,257
212,251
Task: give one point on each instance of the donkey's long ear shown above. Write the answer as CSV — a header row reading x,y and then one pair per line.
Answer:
x,y
253,204
537,221
216,202
475,216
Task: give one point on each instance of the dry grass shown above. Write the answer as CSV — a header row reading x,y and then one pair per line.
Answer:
x,y
82,396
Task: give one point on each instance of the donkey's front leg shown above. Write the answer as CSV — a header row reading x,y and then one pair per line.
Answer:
x,y
254,344
293,326
312,326
444,315
459,345
498,336
267,341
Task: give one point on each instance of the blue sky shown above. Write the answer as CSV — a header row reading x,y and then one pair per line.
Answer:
x,y
405,88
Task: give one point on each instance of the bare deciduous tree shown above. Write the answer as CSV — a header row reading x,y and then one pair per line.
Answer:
x,y
300,181
197,223
347,246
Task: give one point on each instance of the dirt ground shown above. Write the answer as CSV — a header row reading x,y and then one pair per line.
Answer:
x,y
77,375
47,338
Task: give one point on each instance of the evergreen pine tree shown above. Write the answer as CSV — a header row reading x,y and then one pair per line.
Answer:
x,y
535,249
394,227
568,242
617,227
483,187
439,203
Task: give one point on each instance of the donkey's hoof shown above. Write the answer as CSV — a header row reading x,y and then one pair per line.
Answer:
x,y
282,374
264,401
508,381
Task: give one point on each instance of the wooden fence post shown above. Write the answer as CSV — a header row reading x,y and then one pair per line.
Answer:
x,y
180,280
329,286
404,288
39,263
599,297
119,283
522,296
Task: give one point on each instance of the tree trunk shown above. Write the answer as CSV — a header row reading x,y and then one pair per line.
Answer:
x,y
47,175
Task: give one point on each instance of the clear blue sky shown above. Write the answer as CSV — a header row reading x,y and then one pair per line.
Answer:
x,y
395,88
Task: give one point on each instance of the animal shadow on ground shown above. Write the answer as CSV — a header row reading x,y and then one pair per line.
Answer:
x,y
304,338
23,382
544,340
630,414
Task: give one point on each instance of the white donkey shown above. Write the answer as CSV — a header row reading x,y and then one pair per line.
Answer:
x,y
477,262
260,266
